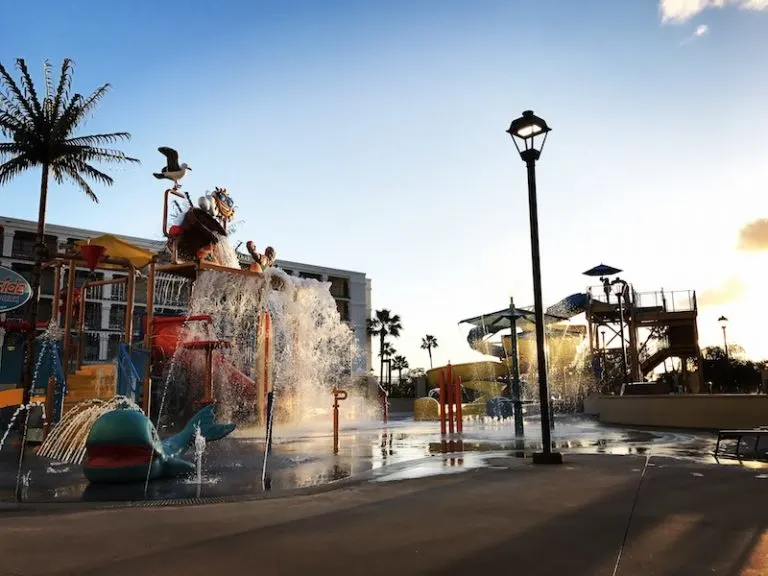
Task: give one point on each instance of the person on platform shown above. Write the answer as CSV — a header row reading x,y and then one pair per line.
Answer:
x,y
261,261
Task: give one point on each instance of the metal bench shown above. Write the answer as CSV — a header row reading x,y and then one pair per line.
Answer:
x,y
738,435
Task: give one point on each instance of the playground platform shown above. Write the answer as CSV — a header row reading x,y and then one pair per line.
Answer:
x,y
507,516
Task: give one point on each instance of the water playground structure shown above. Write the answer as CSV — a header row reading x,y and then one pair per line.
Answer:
x,y
246,333
644,331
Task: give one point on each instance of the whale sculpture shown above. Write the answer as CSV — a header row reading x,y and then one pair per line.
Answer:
x,y
123,446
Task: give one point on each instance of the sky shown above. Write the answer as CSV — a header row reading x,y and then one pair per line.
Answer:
x,y
371,136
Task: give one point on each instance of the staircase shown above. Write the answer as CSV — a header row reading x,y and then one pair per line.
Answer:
x,y
653,354
91,381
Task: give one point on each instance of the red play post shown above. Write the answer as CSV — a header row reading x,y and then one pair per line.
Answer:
x,y
459,415
337,395
449,396
442,402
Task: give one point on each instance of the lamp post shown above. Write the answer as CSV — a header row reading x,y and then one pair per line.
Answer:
x,y
529,133
724,325
620,295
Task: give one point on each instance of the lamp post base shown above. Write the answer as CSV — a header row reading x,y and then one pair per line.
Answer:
x,y
547,458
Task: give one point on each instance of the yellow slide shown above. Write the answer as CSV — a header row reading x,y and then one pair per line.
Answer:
x,y
478,376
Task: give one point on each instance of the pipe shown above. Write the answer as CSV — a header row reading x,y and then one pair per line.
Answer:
x,y
147,376
337,395
56,293
442,402
459,408
449,397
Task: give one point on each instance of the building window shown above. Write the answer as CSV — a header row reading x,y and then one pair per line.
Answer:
x,y
116,316
92,316
24,245
339,287
91,352
343,307
119,291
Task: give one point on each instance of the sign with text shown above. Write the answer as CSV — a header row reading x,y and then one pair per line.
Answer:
x,y
15,291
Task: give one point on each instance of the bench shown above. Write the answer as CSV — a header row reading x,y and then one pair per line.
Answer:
x,y
738,435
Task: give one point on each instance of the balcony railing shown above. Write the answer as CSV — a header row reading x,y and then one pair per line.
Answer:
x,y
665,301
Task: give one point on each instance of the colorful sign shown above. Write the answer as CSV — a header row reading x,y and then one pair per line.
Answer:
x,y
15,291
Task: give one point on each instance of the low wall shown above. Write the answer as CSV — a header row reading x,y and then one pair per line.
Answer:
x,y
701,411
401,404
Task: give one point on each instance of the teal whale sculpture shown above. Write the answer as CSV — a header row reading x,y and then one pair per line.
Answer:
x,y
123,445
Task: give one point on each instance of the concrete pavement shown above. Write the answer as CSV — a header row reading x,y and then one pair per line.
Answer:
x,y
511,517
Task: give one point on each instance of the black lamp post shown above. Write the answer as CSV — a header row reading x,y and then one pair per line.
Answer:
x,y
724,325
529,133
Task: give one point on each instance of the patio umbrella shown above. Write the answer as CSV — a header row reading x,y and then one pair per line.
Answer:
x,y
602,270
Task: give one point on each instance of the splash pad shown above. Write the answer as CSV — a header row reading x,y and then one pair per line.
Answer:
x,y
216,338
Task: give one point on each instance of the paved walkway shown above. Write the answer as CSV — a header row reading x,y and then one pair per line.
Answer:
x,y
511,518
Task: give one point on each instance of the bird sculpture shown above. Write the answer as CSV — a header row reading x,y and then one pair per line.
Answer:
x,y
172,170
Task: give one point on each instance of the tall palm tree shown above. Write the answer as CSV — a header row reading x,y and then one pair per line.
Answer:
x,y
386,357
43,133
399,363
428,343
384,324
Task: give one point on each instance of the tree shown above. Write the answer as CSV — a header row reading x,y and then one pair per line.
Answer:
x,y
384,324
733,373
399,363
428,343
43,133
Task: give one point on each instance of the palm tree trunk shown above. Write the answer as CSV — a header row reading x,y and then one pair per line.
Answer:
x,y
429,351
29,358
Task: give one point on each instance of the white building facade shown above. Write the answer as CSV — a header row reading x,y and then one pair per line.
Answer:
x,y
105,305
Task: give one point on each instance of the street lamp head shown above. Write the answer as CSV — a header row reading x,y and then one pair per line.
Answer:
x,y
529,133
723,321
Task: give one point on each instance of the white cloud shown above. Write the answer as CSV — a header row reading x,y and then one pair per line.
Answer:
x,y
701,30
677,11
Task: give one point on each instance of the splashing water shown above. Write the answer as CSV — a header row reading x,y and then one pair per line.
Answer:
x,y
310,349
199,449
66,441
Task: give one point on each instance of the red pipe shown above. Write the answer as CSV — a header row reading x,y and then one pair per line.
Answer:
x,y
385,406
267,319
449,399
459,414
337,395
442,402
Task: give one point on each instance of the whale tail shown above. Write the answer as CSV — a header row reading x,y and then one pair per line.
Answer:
x,y
211,431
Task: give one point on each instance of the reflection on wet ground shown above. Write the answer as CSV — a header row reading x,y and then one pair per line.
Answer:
x,y
302,457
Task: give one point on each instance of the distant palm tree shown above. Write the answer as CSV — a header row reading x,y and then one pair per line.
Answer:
x,y
386,357
428,343
399,363
384,324
42,133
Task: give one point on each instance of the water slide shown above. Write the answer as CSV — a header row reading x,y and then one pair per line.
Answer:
x,y
490,324
481,379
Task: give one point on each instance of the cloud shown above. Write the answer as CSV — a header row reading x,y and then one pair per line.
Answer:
x,y
730,291
678,11
701,30
754,236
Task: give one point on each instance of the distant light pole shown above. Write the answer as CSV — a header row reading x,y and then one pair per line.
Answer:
x,y
529,133
724,325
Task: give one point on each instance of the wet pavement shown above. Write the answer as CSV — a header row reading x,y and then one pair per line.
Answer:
x,y
303,458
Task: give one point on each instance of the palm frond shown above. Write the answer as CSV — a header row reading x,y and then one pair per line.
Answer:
x,y
28,86
48,80
14,167
90,172
86,105
65,81
10,124
99,139
7,81
89,154
73,174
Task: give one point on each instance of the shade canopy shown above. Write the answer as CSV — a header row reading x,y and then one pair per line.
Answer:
x,y
118,248
503,318
602,270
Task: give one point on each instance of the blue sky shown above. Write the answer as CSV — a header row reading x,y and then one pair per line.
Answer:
x,y
370,136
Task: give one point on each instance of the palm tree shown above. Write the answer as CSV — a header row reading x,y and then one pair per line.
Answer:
x,y
399,363
42,133
384,324
428,343
386,357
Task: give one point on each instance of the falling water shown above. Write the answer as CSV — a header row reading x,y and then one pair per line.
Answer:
x,y
66,441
